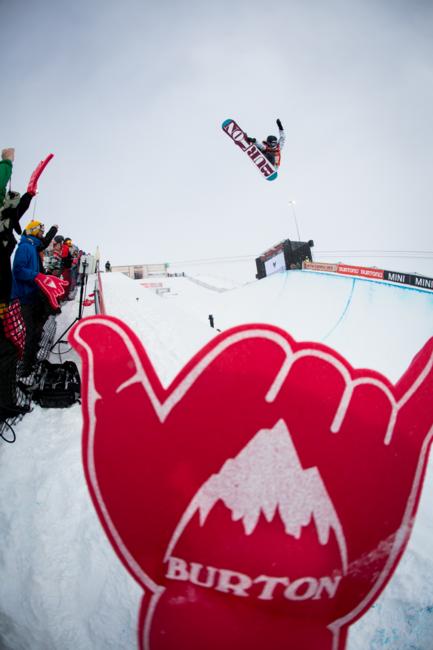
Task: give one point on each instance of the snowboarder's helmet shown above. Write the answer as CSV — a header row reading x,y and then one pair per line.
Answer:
x,y
272,140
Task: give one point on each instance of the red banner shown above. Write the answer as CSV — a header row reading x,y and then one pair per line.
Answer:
x,y
360,271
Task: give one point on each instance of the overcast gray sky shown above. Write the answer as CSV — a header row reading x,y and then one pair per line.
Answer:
x,y
130,97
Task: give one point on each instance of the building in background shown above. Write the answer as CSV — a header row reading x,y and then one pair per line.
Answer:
x,y
140,271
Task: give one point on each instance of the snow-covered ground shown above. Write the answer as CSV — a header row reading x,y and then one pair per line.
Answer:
x,y
61,585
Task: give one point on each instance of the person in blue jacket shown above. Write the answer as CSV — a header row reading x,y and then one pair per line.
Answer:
x,y
27,267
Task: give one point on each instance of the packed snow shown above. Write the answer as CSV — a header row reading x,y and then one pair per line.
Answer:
x,y
62,587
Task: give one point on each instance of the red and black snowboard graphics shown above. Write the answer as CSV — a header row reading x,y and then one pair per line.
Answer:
x,y
265,497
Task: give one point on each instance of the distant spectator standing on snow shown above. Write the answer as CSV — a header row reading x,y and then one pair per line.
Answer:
x,y
107,266
272,146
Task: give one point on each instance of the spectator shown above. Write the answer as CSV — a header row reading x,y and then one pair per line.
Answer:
x,y
6,165
44,244
27,282
54,263
74,270
66,263
107,266
12,328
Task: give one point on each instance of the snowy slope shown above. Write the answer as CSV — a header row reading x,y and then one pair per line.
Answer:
x,y
61,585
372,324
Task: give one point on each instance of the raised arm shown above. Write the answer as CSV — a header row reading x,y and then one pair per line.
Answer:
x,y
282,135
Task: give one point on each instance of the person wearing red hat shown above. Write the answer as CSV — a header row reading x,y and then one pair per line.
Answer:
x,y
67,263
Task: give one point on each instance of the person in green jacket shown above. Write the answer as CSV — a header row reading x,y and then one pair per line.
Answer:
x,y
8,351
6,163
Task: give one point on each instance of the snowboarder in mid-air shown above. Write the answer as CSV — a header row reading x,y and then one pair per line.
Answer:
x,y
272,146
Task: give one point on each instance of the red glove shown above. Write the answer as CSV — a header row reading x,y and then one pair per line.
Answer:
x,y
52,287
32,187
265,497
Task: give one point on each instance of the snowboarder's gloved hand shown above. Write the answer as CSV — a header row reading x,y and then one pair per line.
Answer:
x,y
52,287
8,154
280,126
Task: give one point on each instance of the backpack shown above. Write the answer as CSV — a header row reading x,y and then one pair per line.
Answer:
x,y
58,385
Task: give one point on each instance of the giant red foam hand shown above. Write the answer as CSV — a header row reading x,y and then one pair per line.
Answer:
x,y
52,287
32,187
265,497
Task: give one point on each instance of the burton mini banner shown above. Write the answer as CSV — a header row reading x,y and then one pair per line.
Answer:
x,y
239,137
265,497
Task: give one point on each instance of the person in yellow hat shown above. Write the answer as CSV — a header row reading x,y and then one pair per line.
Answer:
x,y
34,228
28,279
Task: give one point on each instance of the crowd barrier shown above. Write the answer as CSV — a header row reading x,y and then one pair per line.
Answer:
x,y
99,296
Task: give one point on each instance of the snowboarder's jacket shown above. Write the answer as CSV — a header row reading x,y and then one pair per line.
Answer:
x,y
273,154
25,268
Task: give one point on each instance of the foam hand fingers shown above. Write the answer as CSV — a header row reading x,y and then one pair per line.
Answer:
x,y
145,445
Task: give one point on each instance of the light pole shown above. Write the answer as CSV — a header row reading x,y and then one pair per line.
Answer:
x,y
293,203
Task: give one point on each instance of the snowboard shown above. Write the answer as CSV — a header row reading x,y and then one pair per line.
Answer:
x,y
239,137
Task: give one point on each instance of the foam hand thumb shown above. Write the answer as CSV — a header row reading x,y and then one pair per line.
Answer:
x,y
52,287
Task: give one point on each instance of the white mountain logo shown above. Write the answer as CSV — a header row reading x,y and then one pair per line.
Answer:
x,y
267,476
